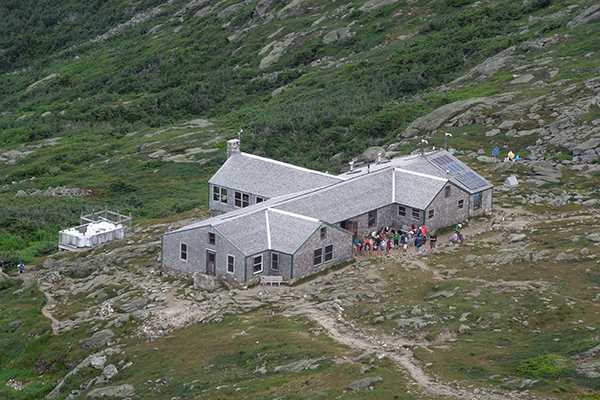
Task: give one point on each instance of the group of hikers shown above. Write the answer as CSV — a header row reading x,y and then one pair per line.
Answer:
x,y
385,240
510,156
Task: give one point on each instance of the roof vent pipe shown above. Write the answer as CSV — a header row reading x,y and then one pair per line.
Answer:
x,y
351,166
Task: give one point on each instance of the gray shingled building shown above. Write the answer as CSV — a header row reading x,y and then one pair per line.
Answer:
x,y
274,218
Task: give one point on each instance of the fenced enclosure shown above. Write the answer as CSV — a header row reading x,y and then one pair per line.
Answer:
x,y
96,228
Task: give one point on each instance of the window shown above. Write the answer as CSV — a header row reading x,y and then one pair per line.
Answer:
x,y
372,218
477,201
461,204
416,214
323,233
220,194
448,191
212,238
402,211
242,199
257,265
230,264
328,253
274,262
318,257
259,200
183,251
430,214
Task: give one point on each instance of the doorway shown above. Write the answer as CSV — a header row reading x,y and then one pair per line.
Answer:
x,y
211,257
351,226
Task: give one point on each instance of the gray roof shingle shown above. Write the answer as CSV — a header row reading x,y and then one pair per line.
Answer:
x,y
261,228
268,178
427,165
413,181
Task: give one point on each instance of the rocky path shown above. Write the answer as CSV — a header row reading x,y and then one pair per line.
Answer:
x,y
50,303
395,348
177,310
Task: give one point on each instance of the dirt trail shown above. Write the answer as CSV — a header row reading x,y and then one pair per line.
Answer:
x,y
395,348
178,313
50,302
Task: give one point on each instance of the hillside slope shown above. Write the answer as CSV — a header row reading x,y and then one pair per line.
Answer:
x,y
129,104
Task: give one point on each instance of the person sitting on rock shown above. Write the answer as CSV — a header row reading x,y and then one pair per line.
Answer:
x,y
454,238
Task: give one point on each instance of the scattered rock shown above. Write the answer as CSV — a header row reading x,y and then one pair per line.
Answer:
x,y
336,34
364,384
372,153
589,14
133,305
38,83
98,339
110,371
516,237
522,79
97,362
206,282
297,366
111,391
565,257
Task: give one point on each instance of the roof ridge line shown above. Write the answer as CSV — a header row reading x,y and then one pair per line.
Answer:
x,y
291,166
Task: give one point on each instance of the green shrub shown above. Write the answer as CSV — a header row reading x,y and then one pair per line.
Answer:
x,y
550,365
148,165
119,187
11,259
45,249
6,283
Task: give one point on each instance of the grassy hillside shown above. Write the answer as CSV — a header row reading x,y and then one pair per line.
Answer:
x,y
135,100
117,81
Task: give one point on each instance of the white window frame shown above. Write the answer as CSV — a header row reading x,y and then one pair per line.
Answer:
x,y
275,262
211,238
241,200
430,214
477,204
232,263
220,194
461,204
448,191
402,211
323,233
319,257
328,253
183,252
416,214
257,263
259,199
372,218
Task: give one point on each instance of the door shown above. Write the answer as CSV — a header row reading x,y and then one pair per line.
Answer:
x,y
211,256
351,226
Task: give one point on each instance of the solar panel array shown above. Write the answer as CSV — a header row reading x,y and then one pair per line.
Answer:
x,y
449,164
471,180
454,168
457,169
443,160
